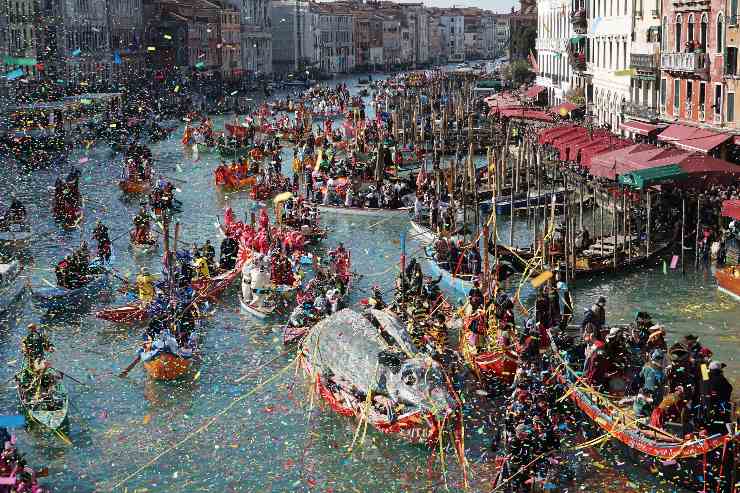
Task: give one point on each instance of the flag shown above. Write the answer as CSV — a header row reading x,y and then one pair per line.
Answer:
x,y
117,57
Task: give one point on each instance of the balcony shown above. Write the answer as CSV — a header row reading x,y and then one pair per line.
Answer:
x,y
577,61
643,62
684,62
690,5
640,112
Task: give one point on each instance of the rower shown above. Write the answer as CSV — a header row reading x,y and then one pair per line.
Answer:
x,y
201,265
210,254
145,285
142,225
100,234
35,344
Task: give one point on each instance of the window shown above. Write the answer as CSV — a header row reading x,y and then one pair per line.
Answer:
x,y
730,106
720,32
664,37
676,95
731,61
678,34
732,21
717,99
662,92
702,95
703,33
690,29
689,91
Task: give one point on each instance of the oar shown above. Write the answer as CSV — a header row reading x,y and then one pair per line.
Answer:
x,y
71,377
121,235
130,367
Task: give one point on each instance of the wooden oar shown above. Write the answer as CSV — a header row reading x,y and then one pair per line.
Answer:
x,y
71,377
130,367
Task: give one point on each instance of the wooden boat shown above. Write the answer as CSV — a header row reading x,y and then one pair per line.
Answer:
x,y
363,211
17,235
167,366
460,284
126,314
728,280
71,219
232,184
60,298
689,453
50,412
135,186
259,311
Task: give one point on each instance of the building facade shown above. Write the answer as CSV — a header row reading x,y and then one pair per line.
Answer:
x,y
453,36
21,36
391,41
126,39
333,40
256,36
731,70
553,49
610,27
644,65
692,62
230,43
291,38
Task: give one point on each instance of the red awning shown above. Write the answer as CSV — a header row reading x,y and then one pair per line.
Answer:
x,y
573,132
731,208
676,132
692,138
588,154
533,91
639,128
571,148
564,108
703,141
546,136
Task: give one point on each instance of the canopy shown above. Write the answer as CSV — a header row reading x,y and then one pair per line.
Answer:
x,y
731,208
282,197
646,177
534,91
526,114
692,138
548,135
639,128
19,61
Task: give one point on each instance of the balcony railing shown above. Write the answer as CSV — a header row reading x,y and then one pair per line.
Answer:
x,y
640,111
647,63
577,61
684,62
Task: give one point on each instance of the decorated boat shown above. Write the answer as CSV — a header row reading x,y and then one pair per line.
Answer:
x,y
69,216
272,303
728,276
164,359
504,203
52,410
363,211
461,284
345,360
229,181
683,458
167,366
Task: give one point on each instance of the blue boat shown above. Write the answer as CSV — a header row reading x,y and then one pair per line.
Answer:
x,y
59,298
460,285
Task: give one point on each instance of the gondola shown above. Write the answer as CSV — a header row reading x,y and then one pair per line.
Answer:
x,y
167,366
50,412
69,218
461,284
134,186
684,459
363,211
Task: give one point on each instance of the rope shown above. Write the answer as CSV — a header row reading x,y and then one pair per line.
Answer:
x,y
203,427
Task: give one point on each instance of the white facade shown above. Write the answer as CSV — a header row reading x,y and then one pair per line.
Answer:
x,y
333,41
256,36
554,31
610,28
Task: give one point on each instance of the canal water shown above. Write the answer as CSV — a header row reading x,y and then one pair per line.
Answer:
x,y
265,433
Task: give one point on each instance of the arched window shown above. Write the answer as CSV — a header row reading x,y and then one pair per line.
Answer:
x,y
720,32
678,33
703,33
690,30
664,35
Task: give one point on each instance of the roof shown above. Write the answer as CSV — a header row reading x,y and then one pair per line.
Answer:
x,y
692,138
548,135
526,114
639,128
731,208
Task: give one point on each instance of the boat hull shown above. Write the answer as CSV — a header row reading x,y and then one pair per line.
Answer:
x,y
259,312
460,286
727,282
52,420
53,298
126,314
166,366
135,186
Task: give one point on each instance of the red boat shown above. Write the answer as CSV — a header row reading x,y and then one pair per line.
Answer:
x,y
728,277
499,363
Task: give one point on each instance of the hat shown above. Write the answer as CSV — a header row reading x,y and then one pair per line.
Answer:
x,y
690,337
601,301
716,365
705,352
32,327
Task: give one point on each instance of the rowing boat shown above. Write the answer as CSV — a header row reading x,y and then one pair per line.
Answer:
x,y
52,410
60,298
135,186
167,366
144,248
16,235
261,311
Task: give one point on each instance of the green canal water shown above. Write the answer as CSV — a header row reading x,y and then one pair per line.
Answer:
x,y
265,433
